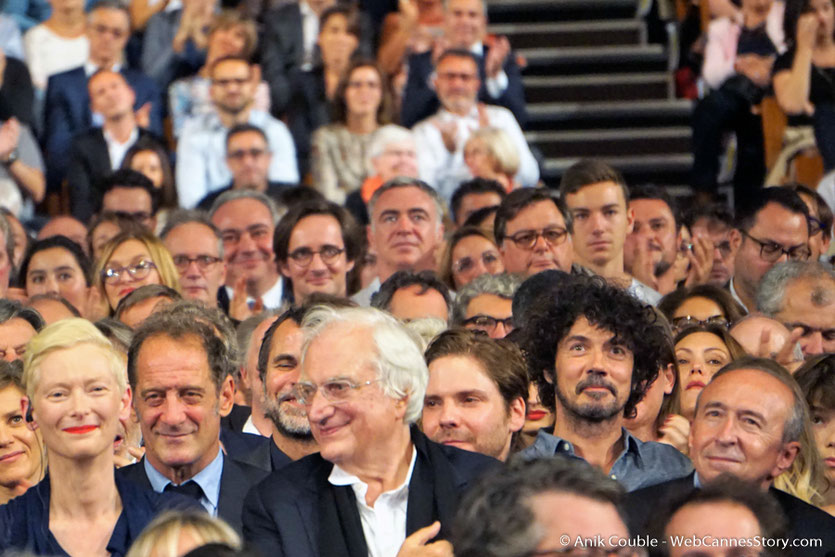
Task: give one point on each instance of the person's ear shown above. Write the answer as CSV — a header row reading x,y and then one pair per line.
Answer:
x,y
630,220
735,239
669,373
127,399
516,412
226,396
786,457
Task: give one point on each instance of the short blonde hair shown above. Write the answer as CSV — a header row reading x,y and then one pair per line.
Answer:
x,y
159,255
501,148
64,334
162,536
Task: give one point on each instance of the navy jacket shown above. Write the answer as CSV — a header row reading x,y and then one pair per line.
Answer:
x,y
68,113
24,521
420,100
235,481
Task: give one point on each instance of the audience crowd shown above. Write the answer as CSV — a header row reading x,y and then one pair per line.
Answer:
x,y
281,278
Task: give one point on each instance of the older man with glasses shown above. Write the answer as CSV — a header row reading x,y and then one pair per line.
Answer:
x,y
485,304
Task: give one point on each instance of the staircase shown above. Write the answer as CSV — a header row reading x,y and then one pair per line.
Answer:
x,y
596,88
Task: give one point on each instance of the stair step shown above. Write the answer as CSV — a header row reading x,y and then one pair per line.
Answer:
x,y
624,114
574,33
595,59
515,11
612,142
607,87
663,170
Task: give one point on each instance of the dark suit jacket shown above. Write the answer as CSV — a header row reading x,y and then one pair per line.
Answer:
x,y
281,516
89,164
420,100
17,93
805,521
309,110
236,419
68,113
249,449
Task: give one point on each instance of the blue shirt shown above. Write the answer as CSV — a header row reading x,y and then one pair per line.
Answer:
x,y
208,479
641,464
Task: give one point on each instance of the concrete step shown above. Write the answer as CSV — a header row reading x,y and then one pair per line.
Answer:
x,y
612,142
606,87
573,33
607,114
663,170
517,11
595,59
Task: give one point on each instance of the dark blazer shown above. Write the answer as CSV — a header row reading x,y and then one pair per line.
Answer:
x,y
309,109
235,481
89,165
249,449
24,521
805,521
420,100
17,93
282,515
68,113
236,419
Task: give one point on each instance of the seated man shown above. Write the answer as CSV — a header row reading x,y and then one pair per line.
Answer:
x,y
801,294
499,77
748,423
533,232
485,304
475,398
21,165
129,194
140,304
409,296
473,195
441,137
18,325
360,403
716,222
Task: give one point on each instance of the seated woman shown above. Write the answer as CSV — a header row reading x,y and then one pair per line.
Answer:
x,y
361,105
313,91
106,226
22,456
149,158
737,67
132,260
470,252
700,305
75,394
817,381
701,351
57,265
491,154
58,44
230,34
803,76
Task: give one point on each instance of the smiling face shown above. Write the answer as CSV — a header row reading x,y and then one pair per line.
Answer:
x,y
348,432
20,451
77,403
698,357
457,84
593,373
315,234
283,367
178,405
130,252
601,223
248,158
247,228
56,271
186,243
738,428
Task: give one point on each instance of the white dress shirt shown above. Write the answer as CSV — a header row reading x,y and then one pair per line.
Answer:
x,y
310,33
117,150
384,524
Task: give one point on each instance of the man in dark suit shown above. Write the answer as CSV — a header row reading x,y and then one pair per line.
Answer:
x,y
97,152
748,423
363,378
179,370
67,99
465,27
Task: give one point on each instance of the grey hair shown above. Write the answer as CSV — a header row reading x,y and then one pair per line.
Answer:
x,y
383,137
401,368
406,182
8,239
246,328
119,334
12,309
503,285
774,283
276,212
187,216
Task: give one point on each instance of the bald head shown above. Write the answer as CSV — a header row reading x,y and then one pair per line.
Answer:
x,y
67,226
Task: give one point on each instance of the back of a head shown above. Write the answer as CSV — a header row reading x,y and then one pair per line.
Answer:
x,y
163,536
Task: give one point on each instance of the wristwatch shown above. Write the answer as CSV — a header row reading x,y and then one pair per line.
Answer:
x,y
9,160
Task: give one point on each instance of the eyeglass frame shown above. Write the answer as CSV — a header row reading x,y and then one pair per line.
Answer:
x,y
196,259
716,320
537,235
108,276
456,265
507,321
327,260
782,249
304,401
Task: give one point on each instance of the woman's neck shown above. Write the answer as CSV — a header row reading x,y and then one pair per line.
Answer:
x,y
361,124
752,20
84,488
69,24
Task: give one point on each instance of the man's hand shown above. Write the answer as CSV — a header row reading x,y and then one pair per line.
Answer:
x,y
675,431
701,261
143,116
786,356
643,267
9,136
496,55
417,544
449,133
238,308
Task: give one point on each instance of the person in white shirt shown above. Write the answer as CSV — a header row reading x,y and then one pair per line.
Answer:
x,y
441,137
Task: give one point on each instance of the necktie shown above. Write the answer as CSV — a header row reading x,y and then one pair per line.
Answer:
x,y
189,489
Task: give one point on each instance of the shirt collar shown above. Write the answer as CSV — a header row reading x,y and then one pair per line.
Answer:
x,y
208,478
90,68
558,445
338,476
734,294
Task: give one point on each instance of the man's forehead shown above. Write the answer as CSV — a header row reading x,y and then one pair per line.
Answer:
x,y
535,211
230,67
457,63
404,199
649,209
105,78
746,388
465,6
242,212
596,195
247,138
109,15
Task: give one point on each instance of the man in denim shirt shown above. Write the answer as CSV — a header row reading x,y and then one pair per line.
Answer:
x,y
593,359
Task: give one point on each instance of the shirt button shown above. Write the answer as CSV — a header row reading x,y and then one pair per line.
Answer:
x,y
613,477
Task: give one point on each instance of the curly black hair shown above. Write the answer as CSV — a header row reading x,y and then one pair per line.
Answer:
x,y
605,306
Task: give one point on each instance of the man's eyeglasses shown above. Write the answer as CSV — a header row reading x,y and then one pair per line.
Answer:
x,y
239,154
336,391
115,31
724,248
239,81
204,262
526,239
139,216
137,271
681,323
303,256
828,335
489,258
465,77
772,251
487,323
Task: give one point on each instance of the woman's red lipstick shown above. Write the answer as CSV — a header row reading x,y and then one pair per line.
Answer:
x,y
80,429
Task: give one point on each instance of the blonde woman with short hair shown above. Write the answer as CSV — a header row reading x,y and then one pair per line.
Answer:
x,y
490,153
175,533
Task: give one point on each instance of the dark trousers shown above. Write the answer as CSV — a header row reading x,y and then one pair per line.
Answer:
x,y
725,110
825,133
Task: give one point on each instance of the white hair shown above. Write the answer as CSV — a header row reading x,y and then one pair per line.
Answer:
x,y
383,137
401,368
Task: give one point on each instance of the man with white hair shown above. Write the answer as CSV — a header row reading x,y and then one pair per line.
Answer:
x,y
378,486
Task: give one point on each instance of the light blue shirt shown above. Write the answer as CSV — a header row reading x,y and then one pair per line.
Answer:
x,y
201,155
208,479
